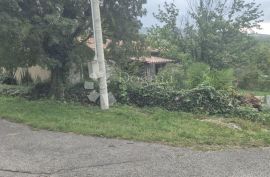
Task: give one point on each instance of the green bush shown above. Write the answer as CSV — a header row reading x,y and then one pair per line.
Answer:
x,y
8,80
2,77
221,80
40,90
77,94
14,90
174,76
250,114
250,78
263,83
120,89
202,99
196,74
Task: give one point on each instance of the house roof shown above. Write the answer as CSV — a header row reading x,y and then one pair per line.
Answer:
x,y
153,60
149,60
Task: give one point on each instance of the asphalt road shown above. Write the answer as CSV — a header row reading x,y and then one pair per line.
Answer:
x,y
28,153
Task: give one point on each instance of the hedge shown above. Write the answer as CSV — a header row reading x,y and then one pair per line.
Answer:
x,y
201,99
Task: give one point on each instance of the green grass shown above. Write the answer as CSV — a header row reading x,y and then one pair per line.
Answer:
x,y
256,93
125,122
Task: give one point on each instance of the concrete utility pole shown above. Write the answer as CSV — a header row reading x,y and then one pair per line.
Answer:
x,y
103,90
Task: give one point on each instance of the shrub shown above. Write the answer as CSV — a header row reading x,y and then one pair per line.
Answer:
x,y
264,83
8,80
249,114
251,100
14,90
77,93
174,76
197,73
220,80
40,90
120,89
2,77
250,78
202,99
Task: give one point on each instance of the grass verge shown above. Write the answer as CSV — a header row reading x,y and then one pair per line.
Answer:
x,y
256,93
125,122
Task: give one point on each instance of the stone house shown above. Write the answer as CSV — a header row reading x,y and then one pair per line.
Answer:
x,y
153,63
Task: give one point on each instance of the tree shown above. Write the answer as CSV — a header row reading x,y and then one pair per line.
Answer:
x,y
166,37
12,33
52,29
122,25
254,73
222,29
121,56
214,32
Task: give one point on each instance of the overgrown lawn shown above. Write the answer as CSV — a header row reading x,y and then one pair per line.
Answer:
x,y
126,122
256,93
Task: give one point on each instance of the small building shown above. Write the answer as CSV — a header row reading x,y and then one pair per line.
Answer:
x,y
153,64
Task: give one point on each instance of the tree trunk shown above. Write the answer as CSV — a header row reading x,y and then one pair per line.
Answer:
x,y
57,83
